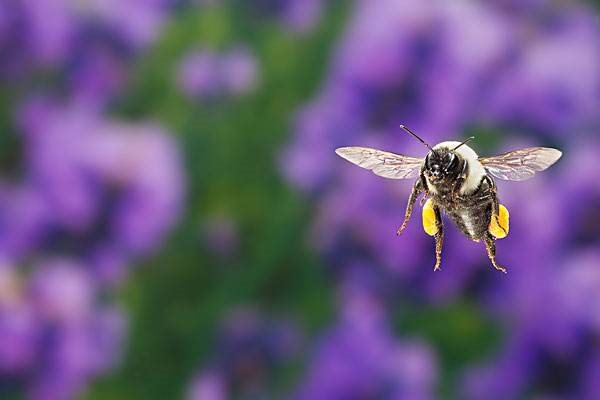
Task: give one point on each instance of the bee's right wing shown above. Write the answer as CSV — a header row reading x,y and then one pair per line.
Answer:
x,y
382,163
520,164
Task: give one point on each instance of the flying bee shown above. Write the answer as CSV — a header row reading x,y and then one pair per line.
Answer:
x,y
457,182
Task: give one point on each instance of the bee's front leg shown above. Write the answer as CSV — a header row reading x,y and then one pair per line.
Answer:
x,y
490,246
424,198
416,191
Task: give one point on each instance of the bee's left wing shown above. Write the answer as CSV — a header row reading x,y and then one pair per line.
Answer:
x,y
522,164
382,163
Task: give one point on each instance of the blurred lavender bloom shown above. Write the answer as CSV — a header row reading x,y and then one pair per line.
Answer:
x,y
48,28
111,187
302,16
359,357
550,347
198,74
61,291
54,24
547,82
93,41
136,21
94,193
19,329
96,72
205,74
208,385
297,16
580,196
24,216
240,71
54,335
308,162
75,354
250,348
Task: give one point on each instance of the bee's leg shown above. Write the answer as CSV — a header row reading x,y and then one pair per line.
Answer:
x,y
417,189
424,198
432,225
424,188
439,239
491,250
494,197
499,219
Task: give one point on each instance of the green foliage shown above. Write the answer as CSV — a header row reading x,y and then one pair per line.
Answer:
x,y
460,333
177,299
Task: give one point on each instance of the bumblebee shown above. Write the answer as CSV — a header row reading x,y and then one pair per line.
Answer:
x,y
457,182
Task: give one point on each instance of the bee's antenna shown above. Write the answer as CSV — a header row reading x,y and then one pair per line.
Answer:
x,y
465,142
418,138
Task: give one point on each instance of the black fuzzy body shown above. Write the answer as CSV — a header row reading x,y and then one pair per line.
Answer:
x,y
471,212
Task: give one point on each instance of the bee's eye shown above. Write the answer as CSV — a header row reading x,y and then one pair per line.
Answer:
x,y
429,162
449,160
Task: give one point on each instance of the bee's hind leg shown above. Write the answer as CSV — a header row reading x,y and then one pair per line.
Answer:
x,y
439,241
495,202
490,246
433,226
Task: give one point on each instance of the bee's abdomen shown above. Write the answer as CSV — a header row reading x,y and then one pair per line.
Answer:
x,y
471,213
473,221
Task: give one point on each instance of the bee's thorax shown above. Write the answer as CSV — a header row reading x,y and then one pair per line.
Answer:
x,y
472,173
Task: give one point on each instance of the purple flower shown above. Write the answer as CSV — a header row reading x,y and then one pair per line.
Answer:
x,y
92,41
302,16
297,16
553,320
92,195
23,219
18,325
359,357
240,71
208,385
53,334
539,87
137,21
90,171
580,195
96,73
250,348
205,74
62,291
50,28
198,74
74,354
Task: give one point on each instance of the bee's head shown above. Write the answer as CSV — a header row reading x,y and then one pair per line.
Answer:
x,y
443,161
441,164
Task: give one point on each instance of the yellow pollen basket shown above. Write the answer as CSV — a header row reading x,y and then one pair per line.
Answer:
x,y
429,219
499,227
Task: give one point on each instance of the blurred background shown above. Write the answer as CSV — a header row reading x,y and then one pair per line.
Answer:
x,y
174,222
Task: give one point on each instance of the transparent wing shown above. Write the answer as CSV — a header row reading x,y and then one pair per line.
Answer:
x,y
520,165
382,163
